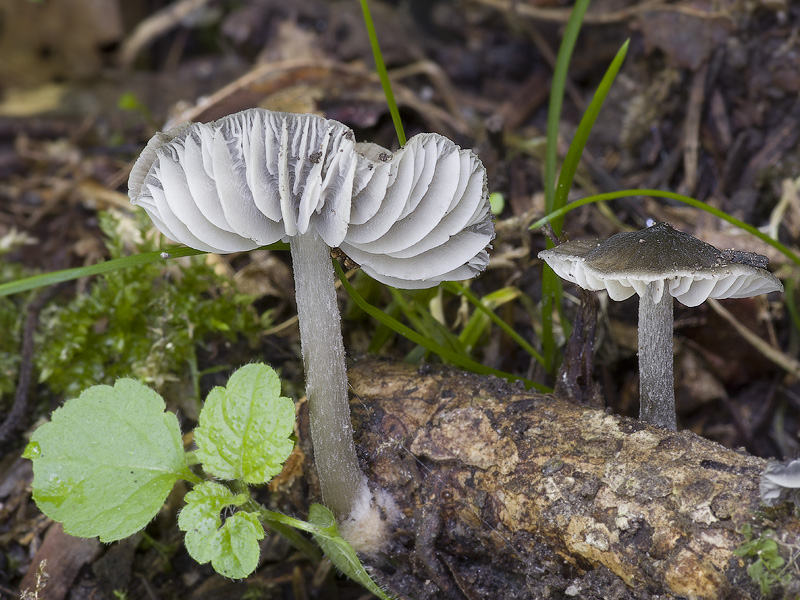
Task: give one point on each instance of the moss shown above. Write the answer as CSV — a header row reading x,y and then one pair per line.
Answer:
x,y
144,321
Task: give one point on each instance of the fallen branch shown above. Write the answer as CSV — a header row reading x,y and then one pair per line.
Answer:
x,y
512,494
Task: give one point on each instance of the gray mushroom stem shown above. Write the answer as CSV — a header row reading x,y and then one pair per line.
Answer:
x,y
342,482
656,383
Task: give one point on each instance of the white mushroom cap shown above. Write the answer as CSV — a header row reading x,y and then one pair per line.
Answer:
x,y
411,219
247,180
687,268
780,482
433,213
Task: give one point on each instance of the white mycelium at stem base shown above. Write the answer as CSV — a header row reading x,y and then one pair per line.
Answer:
x,y
659,263
412,219
656,383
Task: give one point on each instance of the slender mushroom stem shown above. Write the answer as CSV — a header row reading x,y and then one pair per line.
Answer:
x,y
342,482
656,383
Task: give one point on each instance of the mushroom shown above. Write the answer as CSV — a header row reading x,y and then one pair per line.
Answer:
x,y
411,219
660,263
780,483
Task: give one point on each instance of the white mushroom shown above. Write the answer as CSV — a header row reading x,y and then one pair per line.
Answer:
x,y
780,483
411,219
660,263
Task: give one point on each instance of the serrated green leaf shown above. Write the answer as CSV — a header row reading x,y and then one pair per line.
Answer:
x,y
107,460
339,551
238,543
231,547
200,518
245,427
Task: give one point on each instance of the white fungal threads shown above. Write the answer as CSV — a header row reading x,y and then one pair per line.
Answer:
x,y
411,219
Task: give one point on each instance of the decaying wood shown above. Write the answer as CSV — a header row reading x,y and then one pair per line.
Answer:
x,y
512,494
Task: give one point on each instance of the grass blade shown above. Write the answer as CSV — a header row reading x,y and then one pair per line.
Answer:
x,y
415,337
575,151
557,99
45,279
459,289
551,284
384,76
786,251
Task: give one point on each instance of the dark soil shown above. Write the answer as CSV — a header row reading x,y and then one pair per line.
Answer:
x,y
706,105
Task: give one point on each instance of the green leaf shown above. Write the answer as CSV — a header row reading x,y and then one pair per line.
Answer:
x,y
768,546
238,542
497,203
339,551
231,547
245,427
747,549
773,563
107,460
756,571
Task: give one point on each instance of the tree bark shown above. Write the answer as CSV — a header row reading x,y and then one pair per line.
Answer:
x,y
512,494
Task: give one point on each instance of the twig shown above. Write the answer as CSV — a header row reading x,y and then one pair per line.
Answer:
x,y
14,416
155,26
550,233
691,131
560,15
786,362
274,76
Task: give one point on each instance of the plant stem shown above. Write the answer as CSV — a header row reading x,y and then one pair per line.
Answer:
x,y
380,66
340,477
656,382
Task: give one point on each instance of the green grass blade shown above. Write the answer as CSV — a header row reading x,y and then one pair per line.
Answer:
x,y
384,76
383,334
551,285
415,337
460,290
424,323
573,157
552,290
45,279
786,251
557,99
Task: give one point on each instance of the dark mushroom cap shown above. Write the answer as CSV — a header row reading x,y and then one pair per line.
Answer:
x,y
689,269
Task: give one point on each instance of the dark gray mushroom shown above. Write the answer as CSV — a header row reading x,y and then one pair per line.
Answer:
x,y
412,219
660,263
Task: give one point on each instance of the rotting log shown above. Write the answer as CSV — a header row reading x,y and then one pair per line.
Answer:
x,y
512,494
